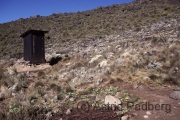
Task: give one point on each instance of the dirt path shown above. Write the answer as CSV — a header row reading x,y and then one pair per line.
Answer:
x,y
160,105
157,103
23,68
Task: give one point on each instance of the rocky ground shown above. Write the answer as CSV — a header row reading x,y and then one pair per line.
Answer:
x,y
136,66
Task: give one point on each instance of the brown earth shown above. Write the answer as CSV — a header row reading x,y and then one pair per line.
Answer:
x,y
156,96
25,68
164,108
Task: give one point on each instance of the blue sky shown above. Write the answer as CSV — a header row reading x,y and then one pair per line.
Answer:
x,y
15,9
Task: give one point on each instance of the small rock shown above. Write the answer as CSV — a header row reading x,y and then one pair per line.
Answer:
x,y
55,110
13,94
68,112
134,114
49,114
146,78
55,98
124,118
135,86
112,100
33,101
71,99
175,95
43,101
146,117
148,113
46,96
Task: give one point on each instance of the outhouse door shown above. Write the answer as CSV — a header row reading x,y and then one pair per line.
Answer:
x,y
38,49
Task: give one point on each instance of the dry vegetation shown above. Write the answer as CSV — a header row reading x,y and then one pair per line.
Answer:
x,y
128,45
97,22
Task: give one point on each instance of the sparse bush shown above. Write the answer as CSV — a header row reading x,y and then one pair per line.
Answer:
x,y
41,92
154,39
22,113
1,73
172,48
69,89
153,77
119,79
19,87
60,96
2,76
66,58
76,65
112,81
9,82
41,74
38,83
55,87
111,91
171,81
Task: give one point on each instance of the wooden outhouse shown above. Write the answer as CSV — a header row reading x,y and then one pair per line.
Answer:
x,y
34,50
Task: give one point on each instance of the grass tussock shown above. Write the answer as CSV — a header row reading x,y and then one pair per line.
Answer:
x,y
170,80
55,87
16,112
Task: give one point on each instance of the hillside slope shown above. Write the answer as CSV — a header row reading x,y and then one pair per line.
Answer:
x,y
97,22
136,62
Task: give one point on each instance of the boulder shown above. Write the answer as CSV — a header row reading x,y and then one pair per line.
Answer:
x,y
112,100
175,95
